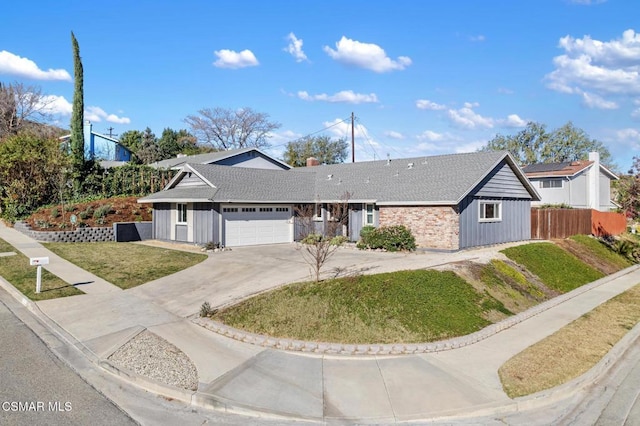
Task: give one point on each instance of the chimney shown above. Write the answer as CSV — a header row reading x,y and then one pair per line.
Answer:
x,y
312,161
594,181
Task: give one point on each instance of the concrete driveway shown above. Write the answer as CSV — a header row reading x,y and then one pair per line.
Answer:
x,y
226,277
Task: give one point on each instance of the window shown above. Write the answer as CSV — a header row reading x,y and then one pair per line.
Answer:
x,y
551,183
230,210
282,209
369,214
182,213
490,211
248,209
266,209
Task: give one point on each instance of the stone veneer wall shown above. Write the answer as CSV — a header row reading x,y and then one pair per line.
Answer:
x,y
80,235
433,226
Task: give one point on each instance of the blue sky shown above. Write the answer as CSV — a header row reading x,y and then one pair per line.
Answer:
x,y
422,77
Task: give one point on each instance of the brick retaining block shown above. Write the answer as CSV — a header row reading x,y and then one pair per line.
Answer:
x,y
80,235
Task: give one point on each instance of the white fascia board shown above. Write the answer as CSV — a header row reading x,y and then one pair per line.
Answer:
x,y
417,203
174,200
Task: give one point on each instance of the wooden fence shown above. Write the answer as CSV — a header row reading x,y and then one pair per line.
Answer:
x,y
547,224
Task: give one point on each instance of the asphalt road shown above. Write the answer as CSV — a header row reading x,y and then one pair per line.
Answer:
x,y
37,388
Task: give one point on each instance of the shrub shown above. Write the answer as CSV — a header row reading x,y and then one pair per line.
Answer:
x,y
206,310
390,238
69,208
338,240
102,211
208,246
83,215
54,213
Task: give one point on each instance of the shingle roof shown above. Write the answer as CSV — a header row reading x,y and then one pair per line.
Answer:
x,y
207,158
443,179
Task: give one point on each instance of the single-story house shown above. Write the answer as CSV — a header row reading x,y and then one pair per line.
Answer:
x,y
449,202
243,157
584,184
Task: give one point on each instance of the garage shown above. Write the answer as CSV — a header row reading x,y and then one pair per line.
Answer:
x,y
253,225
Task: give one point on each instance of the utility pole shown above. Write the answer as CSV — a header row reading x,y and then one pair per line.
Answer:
x,y
111,134
353,141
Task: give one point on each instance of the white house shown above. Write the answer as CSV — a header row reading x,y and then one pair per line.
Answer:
x,y
584,184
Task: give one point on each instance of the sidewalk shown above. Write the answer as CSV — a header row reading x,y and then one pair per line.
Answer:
x,y
239,377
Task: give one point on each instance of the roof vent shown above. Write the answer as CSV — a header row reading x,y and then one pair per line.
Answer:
x,y
397,174
410,166
575,163
388,159
181,155
368,180
329,177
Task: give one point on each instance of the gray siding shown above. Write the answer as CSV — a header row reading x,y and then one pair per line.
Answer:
x,y
514,226
605,193
502,182
188,181
251,160
203,220
217,235
162,221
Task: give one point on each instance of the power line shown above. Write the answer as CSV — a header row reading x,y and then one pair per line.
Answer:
x,y
312,133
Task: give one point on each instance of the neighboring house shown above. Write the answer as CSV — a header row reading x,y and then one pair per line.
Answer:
x,y
449,202
243,157
106,148
578,184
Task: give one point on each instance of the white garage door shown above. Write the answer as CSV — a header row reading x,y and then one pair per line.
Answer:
x,y
252,225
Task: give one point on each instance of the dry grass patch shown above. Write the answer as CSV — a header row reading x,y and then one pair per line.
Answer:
x,y
126,264
572,350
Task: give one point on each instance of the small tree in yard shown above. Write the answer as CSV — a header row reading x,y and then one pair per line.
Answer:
x,y
317,248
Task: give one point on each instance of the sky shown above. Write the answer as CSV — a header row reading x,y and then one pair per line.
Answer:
x,y
421,77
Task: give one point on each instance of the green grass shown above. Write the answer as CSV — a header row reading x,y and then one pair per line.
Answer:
x,y
125,264
602,251
21,275
405,306
556,268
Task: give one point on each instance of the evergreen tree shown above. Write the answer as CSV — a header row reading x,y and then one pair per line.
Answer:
x,y
77,115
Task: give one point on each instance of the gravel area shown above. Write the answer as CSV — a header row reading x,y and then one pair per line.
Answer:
x,y
151,356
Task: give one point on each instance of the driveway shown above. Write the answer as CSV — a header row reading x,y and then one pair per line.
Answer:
x,y
229,276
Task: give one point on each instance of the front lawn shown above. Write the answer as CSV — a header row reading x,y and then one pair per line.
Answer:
x,y
405,306
556,268
126,265
21,275
572,350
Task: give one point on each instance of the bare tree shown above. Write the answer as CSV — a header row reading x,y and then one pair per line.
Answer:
x,y
318,247
20,106
227,129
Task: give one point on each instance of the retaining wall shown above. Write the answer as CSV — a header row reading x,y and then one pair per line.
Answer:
x,y
80,235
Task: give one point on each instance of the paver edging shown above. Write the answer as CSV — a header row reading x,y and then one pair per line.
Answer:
x,y
332,348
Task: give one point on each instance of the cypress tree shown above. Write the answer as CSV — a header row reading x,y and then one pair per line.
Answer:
x,y
77,115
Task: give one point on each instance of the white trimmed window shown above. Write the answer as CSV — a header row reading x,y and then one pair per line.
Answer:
x,y
368,212
182,213
490,211
551,183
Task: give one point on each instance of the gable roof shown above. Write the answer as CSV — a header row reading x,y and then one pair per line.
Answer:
x,y
443,179
209,158
564,169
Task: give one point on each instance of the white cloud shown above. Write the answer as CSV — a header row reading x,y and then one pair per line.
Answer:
x,y
427,104
340,129
466,118
346,96
430,136
366,55
505,91
234,60
23,67
628,134
295,48
394,135
477,38
513,121
608,68
97,114
635,113
56,105
469,146
592,100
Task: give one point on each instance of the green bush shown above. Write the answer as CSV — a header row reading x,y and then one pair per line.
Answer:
x,y
338,240
102,211
390,238
54,213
